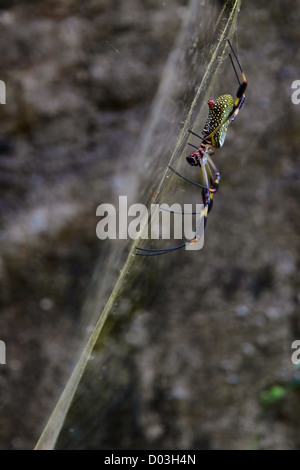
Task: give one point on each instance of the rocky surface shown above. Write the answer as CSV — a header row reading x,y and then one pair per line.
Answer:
x,y
217,330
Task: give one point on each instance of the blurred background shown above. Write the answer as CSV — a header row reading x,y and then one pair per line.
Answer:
x,y
200,356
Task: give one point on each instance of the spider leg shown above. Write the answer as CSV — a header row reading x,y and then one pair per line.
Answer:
x,y
197,135
187,179
156,252
214,172
240,95
207,194
163,251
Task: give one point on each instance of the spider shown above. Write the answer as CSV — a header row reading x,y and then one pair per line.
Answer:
x,y
222,112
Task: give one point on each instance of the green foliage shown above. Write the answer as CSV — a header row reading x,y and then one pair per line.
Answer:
x,y
272,395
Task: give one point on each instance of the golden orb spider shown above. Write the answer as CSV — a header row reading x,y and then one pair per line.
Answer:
x,y
222,112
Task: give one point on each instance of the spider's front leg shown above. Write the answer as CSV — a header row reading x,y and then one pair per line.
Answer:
x,y
240,95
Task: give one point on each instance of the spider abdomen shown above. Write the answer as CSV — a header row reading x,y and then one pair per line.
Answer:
x,y
218,110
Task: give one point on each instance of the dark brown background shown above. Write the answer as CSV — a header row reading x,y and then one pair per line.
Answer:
x,y
218,327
